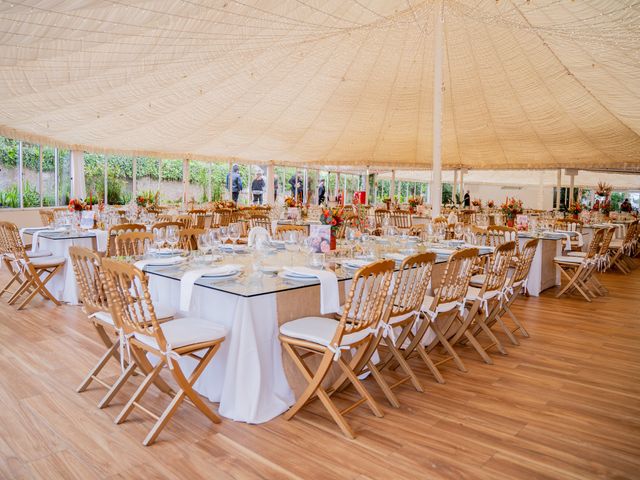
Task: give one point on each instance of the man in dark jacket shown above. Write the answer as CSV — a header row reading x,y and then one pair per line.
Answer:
x,y
234,183
257,188
297,188
467,200
321,192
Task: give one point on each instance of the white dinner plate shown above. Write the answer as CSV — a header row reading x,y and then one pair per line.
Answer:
x,y
296,278
221,275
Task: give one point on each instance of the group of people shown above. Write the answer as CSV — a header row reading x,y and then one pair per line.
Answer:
x,y
258,185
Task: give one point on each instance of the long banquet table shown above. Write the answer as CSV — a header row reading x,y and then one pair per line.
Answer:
x,y
249,376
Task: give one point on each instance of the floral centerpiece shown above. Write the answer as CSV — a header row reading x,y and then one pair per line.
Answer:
x,y
574,209
605,207
476,202
414,202
290,202
334,217
491,204
510,208
147,199
604,189
76,205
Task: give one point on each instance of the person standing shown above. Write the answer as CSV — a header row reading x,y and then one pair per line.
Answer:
x,y
275,188
257,188
321,192
234,183
297,189
467,200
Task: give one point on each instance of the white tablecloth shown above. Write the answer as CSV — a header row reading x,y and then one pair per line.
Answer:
x,y
537,274
63,285
246,376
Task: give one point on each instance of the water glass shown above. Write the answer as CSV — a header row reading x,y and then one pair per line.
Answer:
x,y
172,236
316,260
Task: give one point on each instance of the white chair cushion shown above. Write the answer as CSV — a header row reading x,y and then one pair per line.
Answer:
x,y
567,259
478,280
320,330
104,317
186,331
616,243
50,260
472,293
38,254
443,307
577,254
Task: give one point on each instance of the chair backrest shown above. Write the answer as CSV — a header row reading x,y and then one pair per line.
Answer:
x,y
129,300
186,220
525,259
411,283
12,242
455,279
380,215
197,211
441,220
630,235
260,221
224,217
606,241
164,225
573,224
401,219
498,266
119,230
204,220
189,238
87,265
365,303
499,234
165,217
596,243
132,243
47,217
281,230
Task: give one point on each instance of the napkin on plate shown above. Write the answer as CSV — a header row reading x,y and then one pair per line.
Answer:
x,y
329,293
189,279
158,262
442,251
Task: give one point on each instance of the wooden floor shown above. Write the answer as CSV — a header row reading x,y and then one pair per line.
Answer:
x,y
565,404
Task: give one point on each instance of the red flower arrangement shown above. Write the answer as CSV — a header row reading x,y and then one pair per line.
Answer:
x,y
76,205
476,202
511,207
290,202
575,208
332,216
491,204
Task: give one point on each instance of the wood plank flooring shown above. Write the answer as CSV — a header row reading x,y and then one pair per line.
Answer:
x,y
564,404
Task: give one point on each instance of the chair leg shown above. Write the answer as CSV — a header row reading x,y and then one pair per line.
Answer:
x,y
384,386
443,341
140,391
364,393
118,384
476,345
93,374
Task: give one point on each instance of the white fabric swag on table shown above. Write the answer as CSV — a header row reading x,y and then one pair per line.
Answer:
x,y
189,279
329,292
158,262
102,239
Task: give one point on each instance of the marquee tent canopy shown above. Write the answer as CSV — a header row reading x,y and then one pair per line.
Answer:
x,y
544,84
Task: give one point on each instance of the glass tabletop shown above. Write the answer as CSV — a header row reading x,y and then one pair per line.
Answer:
x,y
262,276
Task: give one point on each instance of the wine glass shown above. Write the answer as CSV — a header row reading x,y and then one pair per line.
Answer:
x,y
224,235
234,233
291,243
172,236
204,245
458,229
159,237
214,238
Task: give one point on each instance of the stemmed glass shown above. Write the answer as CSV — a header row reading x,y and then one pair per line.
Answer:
x,y
159,237
234,232
204,245
224,235
172,236
458,229
291,243
214,238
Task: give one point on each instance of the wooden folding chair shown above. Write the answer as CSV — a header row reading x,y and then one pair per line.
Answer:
x,y
188,238
132,243
203,220
440,313
499,234
9,261
47,217
37,272
186,219
261,221
326,337
409,288
87,267
380,214
130,302
281,231
622,250
485,301
401,219
578,270
116,230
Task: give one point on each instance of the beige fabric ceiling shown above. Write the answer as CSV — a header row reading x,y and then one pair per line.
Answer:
x,y
327,82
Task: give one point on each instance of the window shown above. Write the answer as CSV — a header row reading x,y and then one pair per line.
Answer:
x,y
119,179
48,176
94,176
171,191
9,173
30,175
64,177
